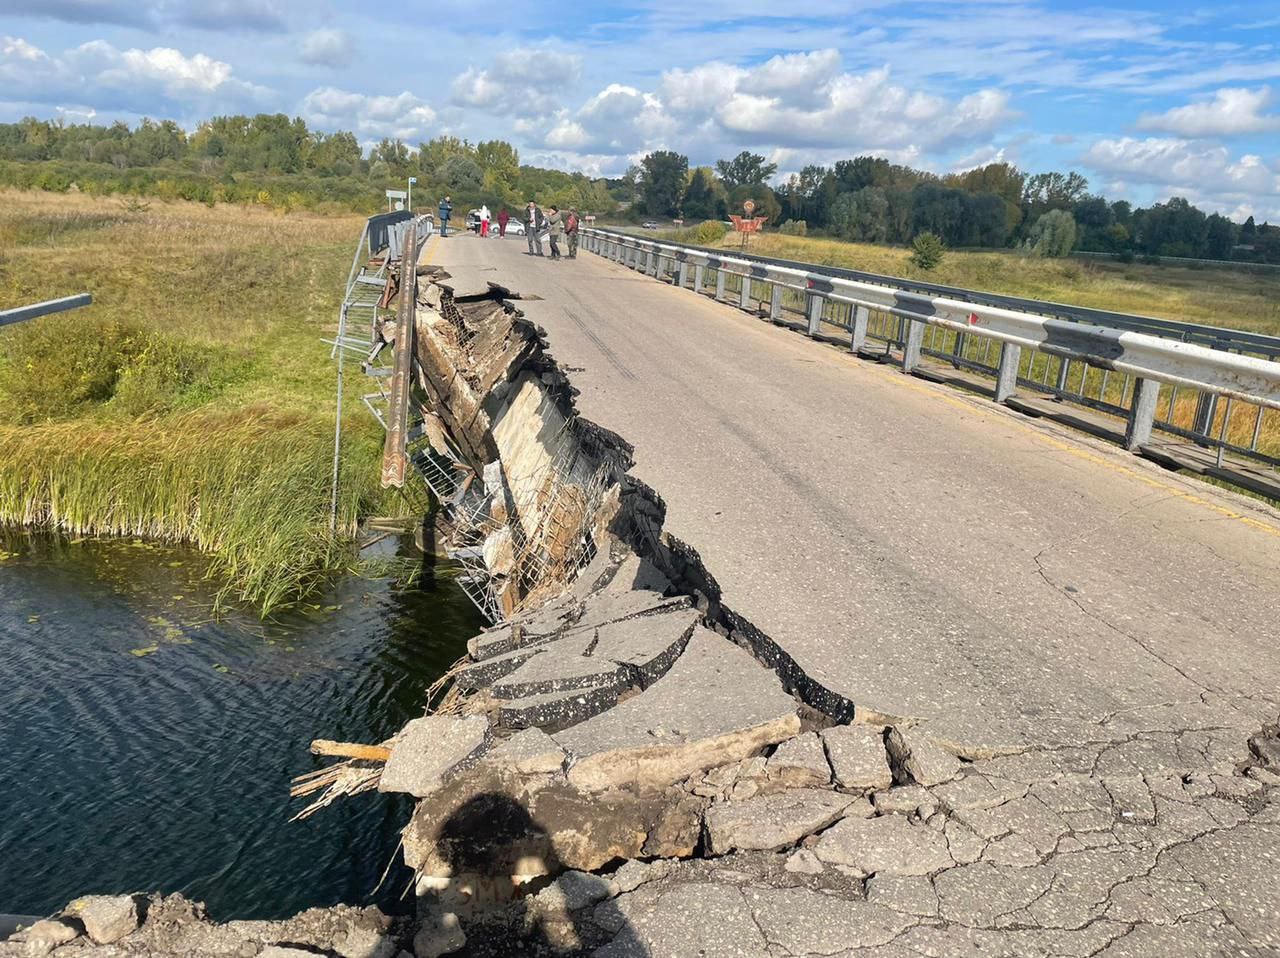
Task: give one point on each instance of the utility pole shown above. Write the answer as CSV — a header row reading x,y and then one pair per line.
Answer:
x,y
412,180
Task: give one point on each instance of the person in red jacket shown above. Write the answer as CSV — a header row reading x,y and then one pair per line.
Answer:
x,y
503,218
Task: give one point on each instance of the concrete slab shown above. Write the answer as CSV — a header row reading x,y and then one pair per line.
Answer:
x,y
430,750
771,822
715,706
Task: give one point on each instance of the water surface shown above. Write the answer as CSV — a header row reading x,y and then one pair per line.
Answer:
x,y
145,744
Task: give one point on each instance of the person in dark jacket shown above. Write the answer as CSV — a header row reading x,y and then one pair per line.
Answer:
x,y
446,207
555,226
503,218
533,222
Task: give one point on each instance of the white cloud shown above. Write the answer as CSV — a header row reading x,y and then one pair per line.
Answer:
x,y
1231,112
98,75
328,48
796,105
1202,171
864,110
13,49
404,117
522,83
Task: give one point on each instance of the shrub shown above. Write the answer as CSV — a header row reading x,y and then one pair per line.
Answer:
x,y
927,251
794,228
709,233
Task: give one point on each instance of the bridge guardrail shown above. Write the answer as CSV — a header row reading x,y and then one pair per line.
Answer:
x,y
1114,370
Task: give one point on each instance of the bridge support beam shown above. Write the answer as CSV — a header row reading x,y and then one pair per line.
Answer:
x,y
911,346
1142,413
744,299
775,302
858,331
1007,371
682,274
813,309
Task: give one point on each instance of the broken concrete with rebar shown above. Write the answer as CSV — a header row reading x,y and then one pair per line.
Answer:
x,y
631,717
625,767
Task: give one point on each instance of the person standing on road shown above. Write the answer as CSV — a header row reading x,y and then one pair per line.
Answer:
x,y
484,220
503,218
556,228
446,207
532,224
571,233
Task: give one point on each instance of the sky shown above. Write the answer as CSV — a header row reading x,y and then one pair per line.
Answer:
x,y
1149,99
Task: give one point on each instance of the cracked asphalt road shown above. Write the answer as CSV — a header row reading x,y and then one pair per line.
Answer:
x,y
1092,634
919,551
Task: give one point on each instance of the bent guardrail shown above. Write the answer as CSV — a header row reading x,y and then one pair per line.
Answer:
x,y
21,314
1119,371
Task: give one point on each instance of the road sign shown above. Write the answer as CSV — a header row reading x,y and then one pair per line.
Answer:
x,y
397,195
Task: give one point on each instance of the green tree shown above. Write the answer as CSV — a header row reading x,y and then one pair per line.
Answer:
x,y
704,196
662,182
862,216
927,251
1052,235
499,161
1221,239
1004,180
461,173
435,152
745,169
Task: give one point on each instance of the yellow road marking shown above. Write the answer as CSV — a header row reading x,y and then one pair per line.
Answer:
x,y
432,243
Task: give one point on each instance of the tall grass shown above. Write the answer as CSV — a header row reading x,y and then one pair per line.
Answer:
x,y
252,489
193,401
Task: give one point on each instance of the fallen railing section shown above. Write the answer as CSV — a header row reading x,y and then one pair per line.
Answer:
x,y
1222,398
21,314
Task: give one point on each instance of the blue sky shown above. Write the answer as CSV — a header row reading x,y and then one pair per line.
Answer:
x,y
1148,99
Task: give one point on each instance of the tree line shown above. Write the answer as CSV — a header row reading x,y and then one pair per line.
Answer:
x,y
278,160
869,199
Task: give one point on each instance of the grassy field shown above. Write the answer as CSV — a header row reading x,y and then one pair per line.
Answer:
x,y
1218,297
193,401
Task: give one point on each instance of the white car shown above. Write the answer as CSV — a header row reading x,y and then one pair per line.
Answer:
x,y
514,228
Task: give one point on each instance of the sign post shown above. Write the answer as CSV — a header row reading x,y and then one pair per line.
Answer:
x,y
748,224
412,180
393,196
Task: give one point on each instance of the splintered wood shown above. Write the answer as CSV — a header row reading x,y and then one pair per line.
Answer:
x,y
361,772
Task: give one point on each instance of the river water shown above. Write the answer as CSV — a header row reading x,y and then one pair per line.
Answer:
x,y
147,745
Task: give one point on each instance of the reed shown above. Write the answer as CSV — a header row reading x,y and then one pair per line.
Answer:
x,y
194,400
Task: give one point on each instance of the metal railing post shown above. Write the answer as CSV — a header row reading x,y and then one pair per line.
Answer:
x,y
1142,414
744,298
719,285
1007,371
813,309
858,332
699,272
682,274
775,302
1206,412
911,345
